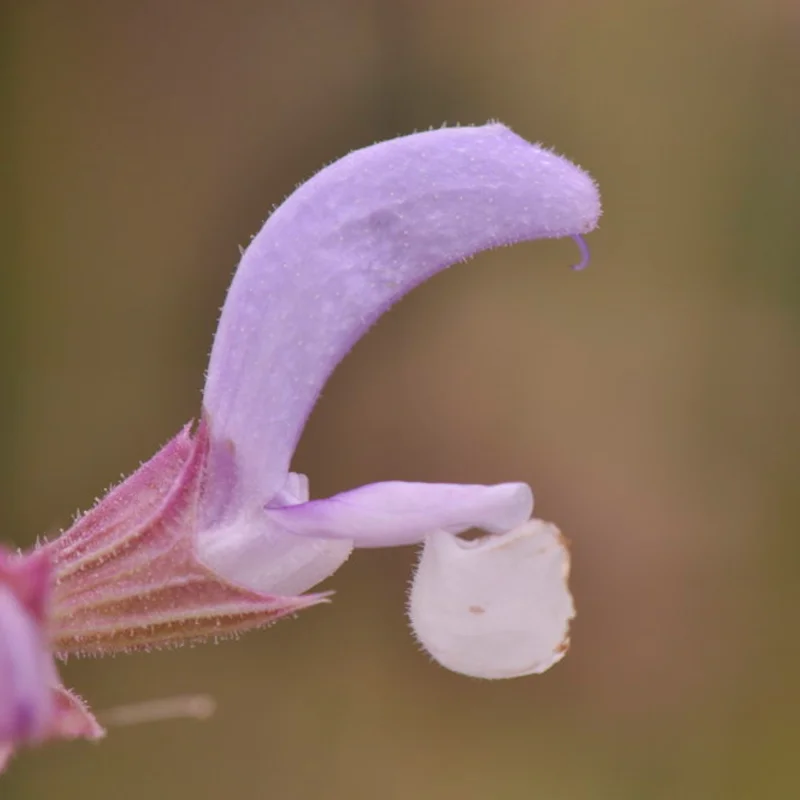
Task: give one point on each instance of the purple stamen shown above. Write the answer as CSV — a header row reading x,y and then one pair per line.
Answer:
x,y
584,248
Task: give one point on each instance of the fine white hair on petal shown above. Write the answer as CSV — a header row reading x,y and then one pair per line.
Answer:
x,y
496,607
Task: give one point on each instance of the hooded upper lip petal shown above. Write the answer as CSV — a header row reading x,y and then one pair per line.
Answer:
x,y
347,245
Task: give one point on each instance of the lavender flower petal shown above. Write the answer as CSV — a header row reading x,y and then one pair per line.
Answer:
x,y
341,250
396,513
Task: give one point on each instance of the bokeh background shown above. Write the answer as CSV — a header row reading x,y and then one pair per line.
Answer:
x,y
650,401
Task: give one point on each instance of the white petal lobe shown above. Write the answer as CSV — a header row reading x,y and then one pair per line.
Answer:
x,y
496,607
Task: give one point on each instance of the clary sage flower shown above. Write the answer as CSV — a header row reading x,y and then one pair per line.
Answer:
x,y
214,535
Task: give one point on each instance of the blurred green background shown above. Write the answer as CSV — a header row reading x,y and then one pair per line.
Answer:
x,y
650,401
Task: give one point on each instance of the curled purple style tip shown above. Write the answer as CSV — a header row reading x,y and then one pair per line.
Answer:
x,y
584,248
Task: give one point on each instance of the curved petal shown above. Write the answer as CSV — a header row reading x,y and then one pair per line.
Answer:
x,y
396,513
347,245
498,607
